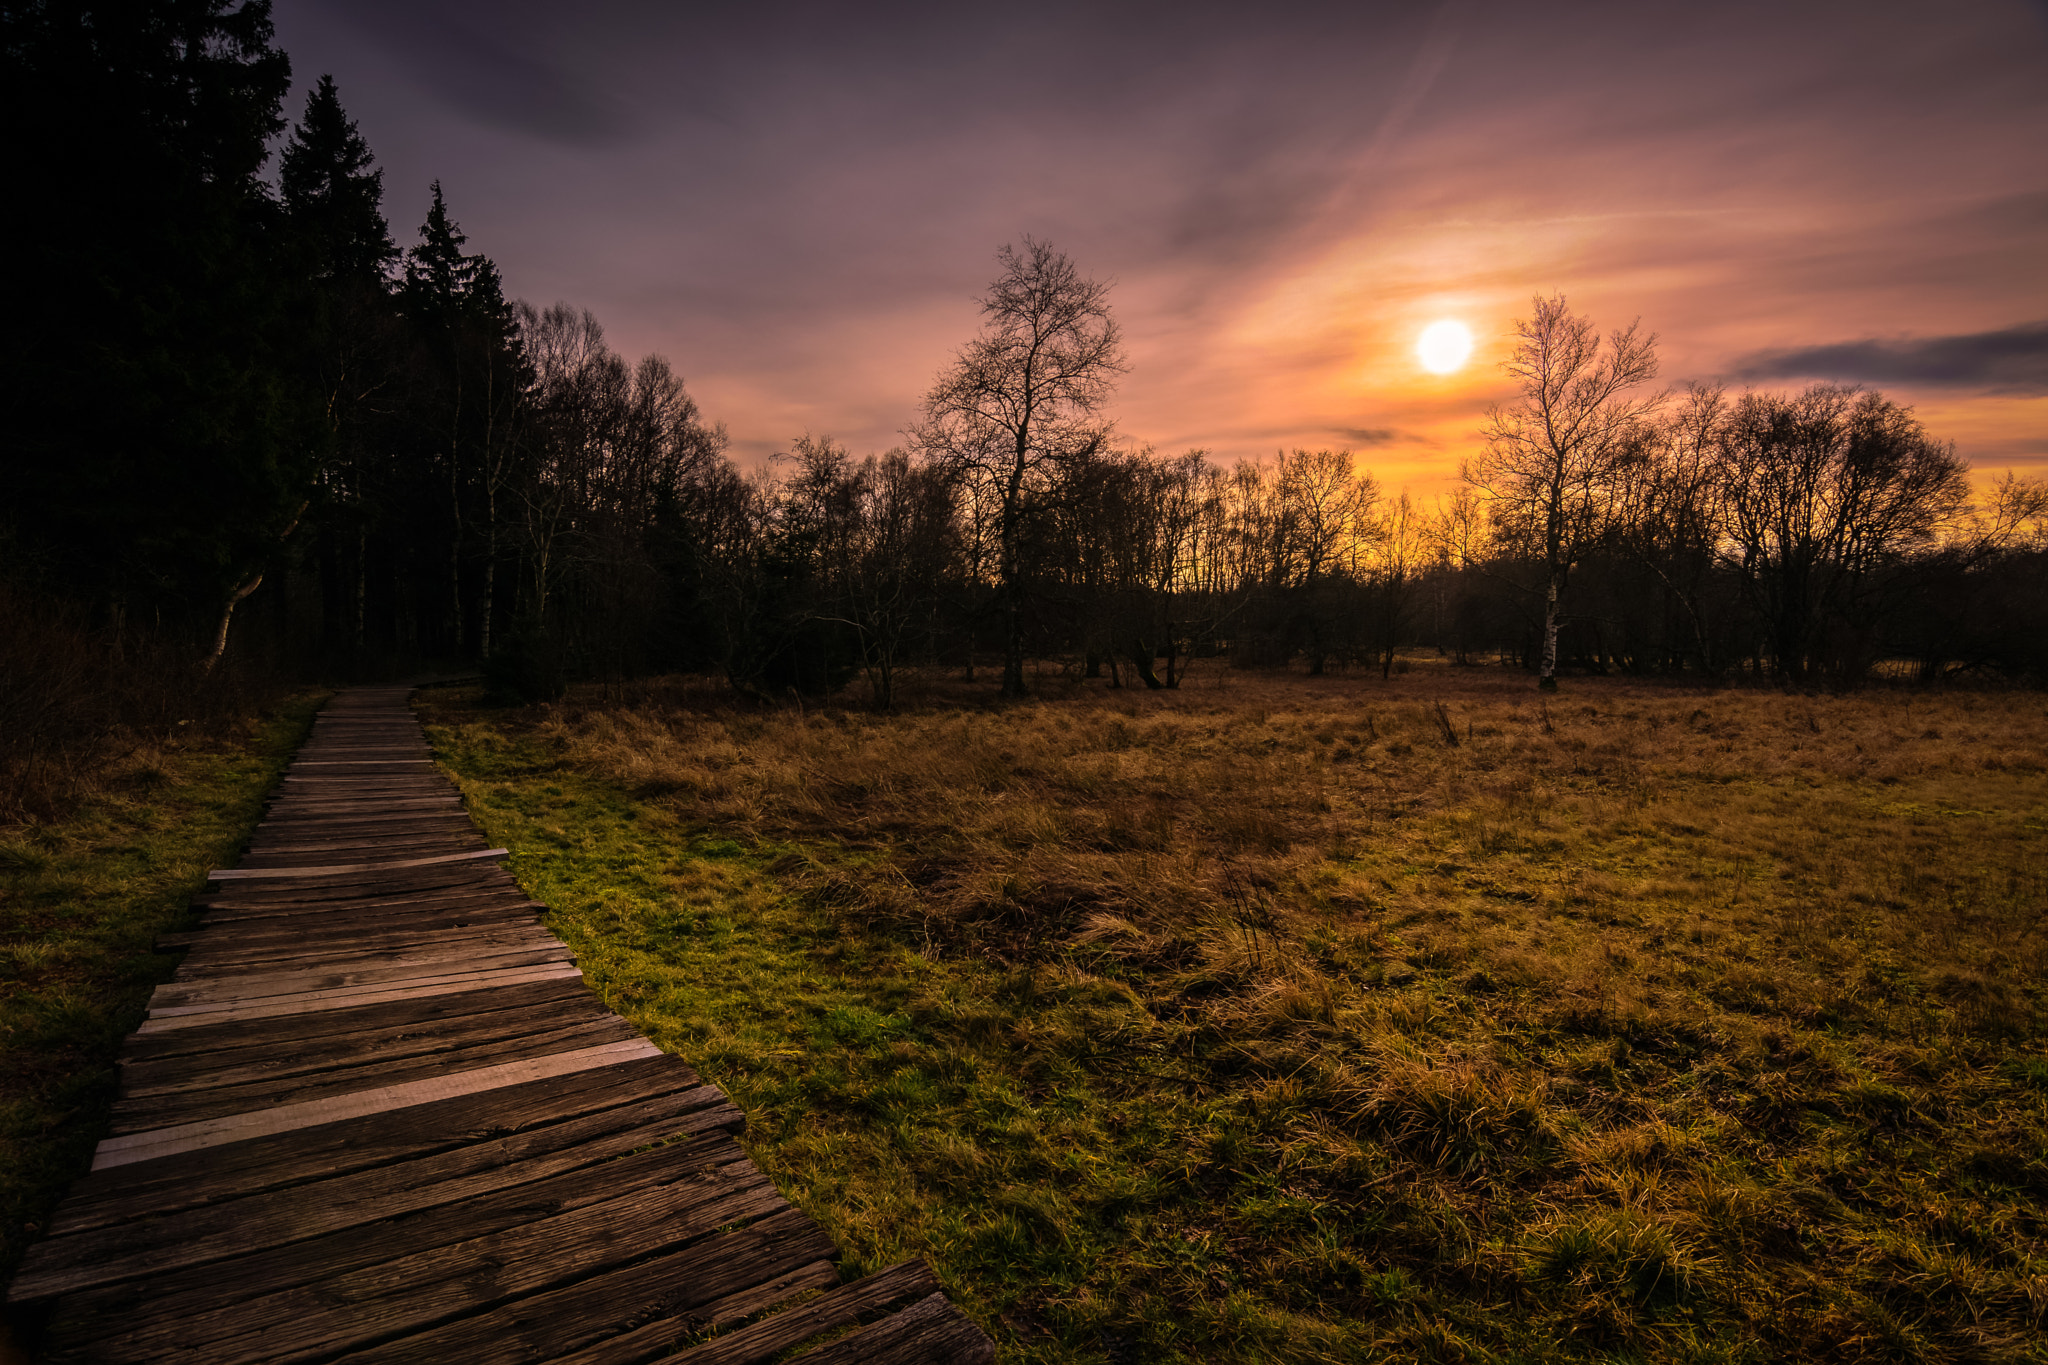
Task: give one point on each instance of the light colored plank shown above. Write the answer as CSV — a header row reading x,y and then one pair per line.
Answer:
x,y
227,873
188,1137
306,808
316,1001
360,762
237,988
181,1005
366,949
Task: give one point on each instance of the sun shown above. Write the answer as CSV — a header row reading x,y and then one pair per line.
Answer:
x,y
1444,346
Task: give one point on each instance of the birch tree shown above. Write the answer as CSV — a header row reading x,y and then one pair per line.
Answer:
x,y
1553,455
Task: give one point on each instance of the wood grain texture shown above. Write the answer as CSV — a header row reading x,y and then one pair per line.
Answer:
x,y
121,1251
170,1185
274,873
283,1118
842,1307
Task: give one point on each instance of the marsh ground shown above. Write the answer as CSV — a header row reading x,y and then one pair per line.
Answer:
x,y
1280,1018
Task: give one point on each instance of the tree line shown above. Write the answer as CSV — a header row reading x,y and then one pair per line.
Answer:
x,y
246,424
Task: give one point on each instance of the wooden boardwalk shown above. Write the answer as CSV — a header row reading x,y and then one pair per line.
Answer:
x,y
377,1116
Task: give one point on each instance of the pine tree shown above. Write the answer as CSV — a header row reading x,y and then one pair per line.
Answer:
x,y
333,194
472,382
438,276
351,349
154,450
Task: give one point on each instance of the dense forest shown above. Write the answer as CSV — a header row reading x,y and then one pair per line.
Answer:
x,y
249,435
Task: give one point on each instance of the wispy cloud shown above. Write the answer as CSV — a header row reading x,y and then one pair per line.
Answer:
x,y
1380,436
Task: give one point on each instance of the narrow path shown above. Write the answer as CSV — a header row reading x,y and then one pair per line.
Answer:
x,y
377,1116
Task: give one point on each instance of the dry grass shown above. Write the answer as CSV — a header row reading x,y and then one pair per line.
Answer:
x,y
1660,1021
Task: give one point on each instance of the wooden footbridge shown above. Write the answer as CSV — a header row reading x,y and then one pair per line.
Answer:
x,y
377,1116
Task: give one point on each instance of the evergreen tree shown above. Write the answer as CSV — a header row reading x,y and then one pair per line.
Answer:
x,y
352,352
155,445
334,195
469,386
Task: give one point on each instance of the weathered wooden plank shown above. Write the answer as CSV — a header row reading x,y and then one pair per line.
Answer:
x,y
225,955
317,832
198,1102
309,809
234,873
271,941
220,1284
226,1030
842,1306
360,741
252,986
306,851
314,833
376,833
196,1179
273,952
358,762
691,1286
349,824
929,1332
255,916
111,1253
261,1056
319,791
289,1065
362,886
300,783
395,1294
250,911
189,1016
332,918
119,1151
408,774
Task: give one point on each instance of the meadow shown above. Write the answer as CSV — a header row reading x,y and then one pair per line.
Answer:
x,y
1279,1018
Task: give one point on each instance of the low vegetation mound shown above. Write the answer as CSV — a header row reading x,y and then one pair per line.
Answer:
x,y
1284,1018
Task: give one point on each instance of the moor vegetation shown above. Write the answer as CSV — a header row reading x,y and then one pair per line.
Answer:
x,y
1279,1018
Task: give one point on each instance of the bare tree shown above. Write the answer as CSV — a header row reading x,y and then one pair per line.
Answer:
x,y
1669,516
1401,545
570,361
1149,530
1326,512
881,536
1821,493
617,459
1552,456
1022,400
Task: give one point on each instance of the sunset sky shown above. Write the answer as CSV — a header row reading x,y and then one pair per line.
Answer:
x,y
798,204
